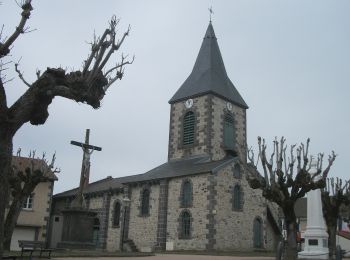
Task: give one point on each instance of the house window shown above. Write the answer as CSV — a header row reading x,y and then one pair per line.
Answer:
x,y
257,233
145,202
228,132
116,215
185,221
28,203
237,171
188,128
186,198
237,198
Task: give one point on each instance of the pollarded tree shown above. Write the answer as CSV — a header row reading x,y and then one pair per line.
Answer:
x,y
334,195
285,181
87,85
27,173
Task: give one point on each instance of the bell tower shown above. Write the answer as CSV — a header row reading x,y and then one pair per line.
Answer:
x,y
207,115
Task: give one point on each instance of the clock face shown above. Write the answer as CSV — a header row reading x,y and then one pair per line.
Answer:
x,y
188,103
229,106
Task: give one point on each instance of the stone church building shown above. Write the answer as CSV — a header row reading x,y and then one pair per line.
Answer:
x,y
199,199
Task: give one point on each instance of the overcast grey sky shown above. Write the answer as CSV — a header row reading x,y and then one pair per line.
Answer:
x,y
290,60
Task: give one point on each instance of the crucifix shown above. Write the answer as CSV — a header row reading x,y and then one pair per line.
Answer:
x,y
85,168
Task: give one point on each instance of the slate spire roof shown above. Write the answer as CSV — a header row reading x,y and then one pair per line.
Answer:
x,y
209,75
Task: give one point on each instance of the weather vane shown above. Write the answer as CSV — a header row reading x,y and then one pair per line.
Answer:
x,y
210,12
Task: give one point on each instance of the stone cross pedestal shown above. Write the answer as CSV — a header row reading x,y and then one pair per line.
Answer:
x,y
316,237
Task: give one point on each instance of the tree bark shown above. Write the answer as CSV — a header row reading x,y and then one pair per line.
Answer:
x,y
291,224
332,233
6,146
12,217
331,212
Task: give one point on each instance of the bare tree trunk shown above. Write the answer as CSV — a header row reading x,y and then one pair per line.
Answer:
x,y
5,164
11,218
291,224
291,250
332,240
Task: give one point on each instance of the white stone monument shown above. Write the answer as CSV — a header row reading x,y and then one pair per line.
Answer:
x,y
316,236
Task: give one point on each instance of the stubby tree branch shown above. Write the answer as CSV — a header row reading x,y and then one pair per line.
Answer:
x,y
284,183
86,86
26,10
20,74
278,179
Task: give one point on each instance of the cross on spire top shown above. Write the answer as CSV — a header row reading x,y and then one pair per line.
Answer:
x,y
210,12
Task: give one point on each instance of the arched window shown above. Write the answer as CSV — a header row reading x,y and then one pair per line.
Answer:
x,y
257,233
185,221
237,171
188,128
116,215
145,202
237,198
229,132
186,192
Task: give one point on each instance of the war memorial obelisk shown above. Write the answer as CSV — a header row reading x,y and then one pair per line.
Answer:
x,y
316,237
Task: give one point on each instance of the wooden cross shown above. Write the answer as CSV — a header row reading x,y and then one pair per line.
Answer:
x,y
85,168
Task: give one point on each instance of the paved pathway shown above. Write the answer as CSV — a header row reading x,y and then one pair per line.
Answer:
x,y
171,257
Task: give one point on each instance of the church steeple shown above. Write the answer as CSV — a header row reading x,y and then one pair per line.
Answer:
x,y
209,75
208,115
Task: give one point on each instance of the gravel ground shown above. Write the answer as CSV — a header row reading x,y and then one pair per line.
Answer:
x,y
170,257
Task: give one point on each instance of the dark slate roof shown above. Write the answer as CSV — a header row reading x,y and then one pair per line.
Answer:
x,y
97,186
180,168
176,168
209,75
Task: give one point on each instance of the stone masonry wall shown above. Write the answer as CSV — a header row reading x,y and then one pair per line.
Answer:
x,y
234,228
198,213
218,110
95,202
201,143
143,229
113,232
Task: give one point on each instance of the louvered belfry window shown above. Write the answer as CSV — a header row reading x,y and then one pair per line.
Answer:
x,y
188,131
229,132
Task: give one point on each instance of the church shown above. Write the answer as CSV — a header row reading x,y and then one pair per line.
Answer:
x,y
199,199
